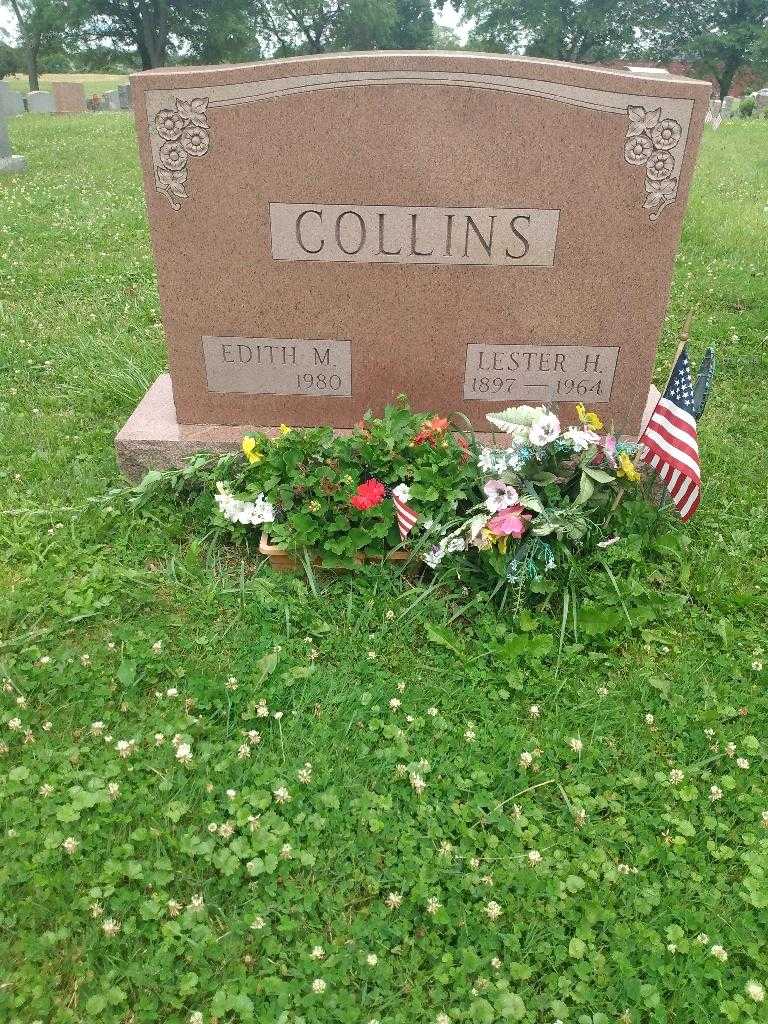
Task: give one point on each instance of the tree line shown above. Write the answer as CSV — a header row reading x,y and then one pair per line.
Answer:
x,y
716,38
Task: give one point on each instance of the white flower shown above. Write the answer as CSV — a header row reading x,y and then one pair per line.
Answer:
x,y
417,783
757,666
433,905
157,646
526,759
488,461
534,857
742,762
576,745
97,728
755,991
580,438
469,735
14,724
304,775
243,751
245,512
649,719
730,749
394,704
435,555
113,788
184,753
496,963
394,900
318,953
534,711
544,430
46,789
125,747
676,776
442,1018
403,492
371,959
319,986
196,1017
719,953
70,844
258,923
764,819
196,902
499,495
493,910
110,927
715,793
159,739
433,712
454,544
702,938
281,795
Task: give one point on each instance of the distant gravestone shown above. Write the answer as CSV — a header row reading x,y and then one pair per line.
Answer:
x,y
69,97
761,99
11,101
40,103
471,230
124,95
729,106
9,164
111,100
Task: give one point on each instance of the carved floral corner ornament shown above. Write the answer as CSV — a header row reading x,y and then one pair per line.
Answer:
x,y
651,140
184,132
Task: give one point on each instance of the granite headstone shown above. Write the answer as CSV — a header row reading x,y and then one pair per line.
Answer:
x,y
9,164
473,230
40,102
69,97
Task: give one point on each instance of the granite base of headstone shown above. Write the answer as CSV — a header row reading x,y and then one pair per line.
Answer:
x,y
11,102
40,102
9,163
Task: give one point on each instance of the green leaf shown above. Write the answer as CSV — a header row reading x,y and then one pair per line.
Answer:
x,y
511,1006
577,948
481,1012
126,673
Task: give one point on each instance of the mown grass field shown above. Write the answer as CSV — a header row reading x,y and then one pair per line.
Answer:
x,y
621,876
97,82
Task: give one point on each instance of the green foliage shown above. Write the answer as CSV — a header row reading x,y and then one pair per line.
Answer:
x,y
747,106
632,863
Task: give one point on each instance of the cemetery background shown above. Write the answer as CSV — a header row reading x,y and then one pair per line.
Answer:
x,y
573,883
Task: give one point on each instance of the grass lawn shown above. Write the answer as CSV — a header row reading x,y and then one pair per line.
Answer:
x,y
92,83
621,876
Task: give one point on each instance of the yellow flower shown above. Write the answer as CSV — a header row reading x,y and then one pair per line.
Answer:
x,y
251,452
489,539
284,429
589,419
627,468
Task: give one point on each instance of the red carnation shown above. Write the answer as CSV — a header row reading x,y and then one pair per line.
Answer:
x,y
368,495
430,430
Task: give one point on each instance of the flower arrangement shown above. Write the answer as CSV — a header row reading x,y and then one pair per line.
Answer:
x,y
411,481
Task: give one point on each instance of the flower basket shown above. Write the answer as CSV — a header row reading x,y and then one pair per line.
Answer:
x,y
285,561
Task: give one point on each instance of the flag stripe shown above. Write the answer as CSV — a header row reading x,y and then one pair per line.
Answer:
x,y
668,453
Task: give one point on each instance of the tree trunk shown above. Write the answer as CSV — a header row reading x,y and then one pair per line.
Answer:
x,y
32,49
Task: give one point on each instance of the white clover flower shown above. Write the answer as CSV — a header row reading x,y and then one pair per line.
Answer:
x,y
196,902
576,745
719,953
442,1018
110,927
243,751
46,789
470,735
764,819
526,759
715,793
174,908
281,795
496,963
742,762
125,747
417,783
394,704
534,711
184,753
757,666
676,776
755,991
702,938
649,719
319,985
730,749
394,900
433,905
493,910
14,724
196,1017
304,775
534,857
96,910
231,794
157,646
159,739
70,845
258,923
226,830
318,953
172,691
113,788
371,959
433,712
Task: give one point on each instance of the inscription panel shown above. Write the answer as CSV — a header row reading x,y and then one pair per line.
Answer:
x,y
278,366
539,373
456,236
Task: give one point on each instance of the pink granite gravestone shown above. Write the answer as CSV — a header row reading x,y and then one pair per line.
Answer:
x,y
472,230
69,97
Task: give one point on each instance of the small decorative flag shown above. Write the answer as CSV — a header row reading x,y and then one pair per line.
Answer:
x,y
671,440
708,117
406,517
716,122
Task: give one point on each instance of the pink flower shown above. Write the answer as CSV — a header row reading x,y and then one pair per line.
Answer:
x,y
609,449
510,522
499,495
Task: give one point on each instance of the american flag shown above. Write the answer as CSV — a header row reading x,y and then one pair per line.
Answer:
x,y
406,517
670,440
